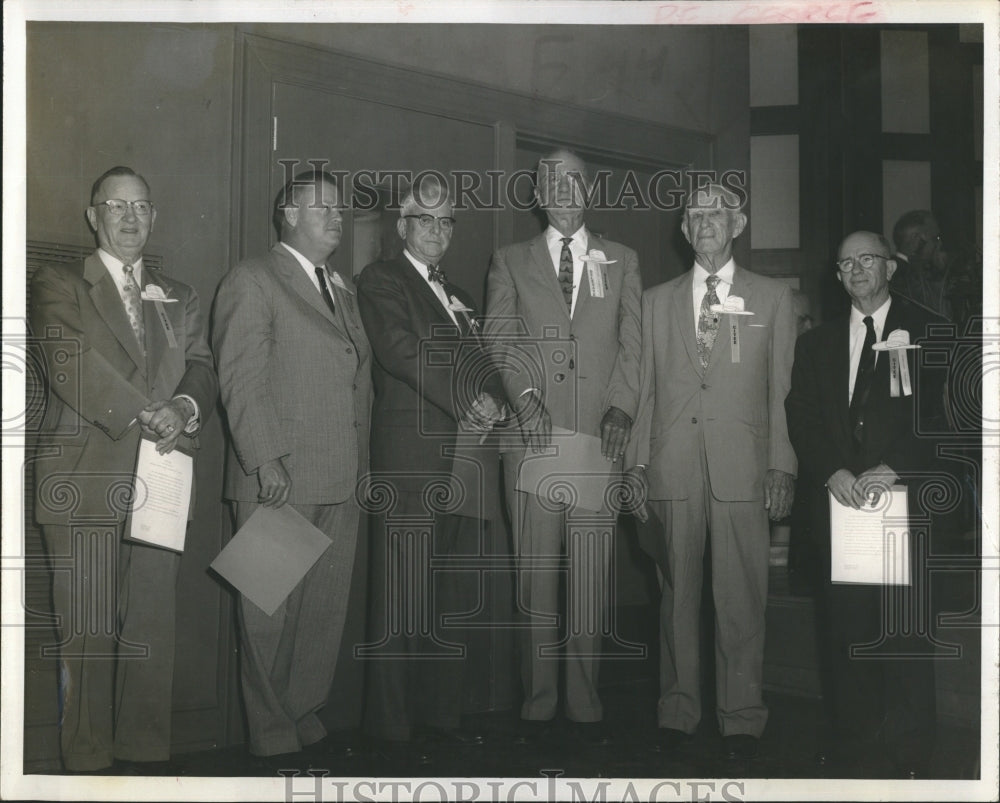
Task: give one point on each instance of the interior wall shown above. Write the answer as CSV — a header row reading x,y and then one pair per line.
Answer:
x,y
160,98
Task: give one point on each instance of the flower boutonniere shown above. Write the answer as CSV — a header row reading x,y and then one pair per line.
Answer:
x,y
896,343
465,312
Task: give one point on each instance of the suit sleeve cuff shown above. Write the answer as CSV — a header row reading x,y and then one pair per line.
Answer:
x,y
194,422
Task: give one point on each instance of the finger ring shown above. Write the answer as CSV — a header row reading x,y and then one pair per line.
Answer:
x,y
170,428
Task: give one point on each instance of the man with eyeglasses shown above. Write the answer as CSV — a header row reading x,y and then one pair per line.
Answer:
x,y
856,435
433,380
295,374
125,356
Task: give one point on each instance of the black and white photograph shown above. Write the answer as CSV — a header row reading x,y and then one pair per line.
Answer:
x,y
504,400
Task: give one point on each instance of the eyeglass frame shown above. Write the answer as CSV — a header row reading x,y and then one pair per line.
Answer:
x,y
426,221
852,261
127,206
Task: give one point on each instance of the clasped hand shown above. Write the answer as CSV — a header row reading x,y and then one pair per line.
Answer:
x,y
867,487
165,420
484,413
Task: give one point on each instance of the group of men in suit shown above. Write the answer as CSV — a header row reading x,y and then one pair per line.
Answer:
x,y
336,394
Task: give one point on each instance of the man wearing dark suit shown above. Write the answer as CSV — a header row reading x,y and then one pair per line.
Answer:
x,y
294,368
711,446
118,363
569,352
413,317
855,439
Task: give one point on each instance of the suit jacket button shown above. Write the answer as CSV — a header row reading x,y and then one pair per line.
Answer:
x,y
349,350
704,386
694,420
572,365
559,377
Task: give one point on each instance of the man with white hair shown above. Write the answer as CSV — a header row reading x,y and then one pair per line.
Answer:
x,y
432,379
711,450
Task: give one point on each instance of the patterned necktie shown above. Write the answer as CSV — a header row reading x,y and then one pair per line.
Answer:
x,y
708,321
324,288
133,306
435,274
566,272
863,381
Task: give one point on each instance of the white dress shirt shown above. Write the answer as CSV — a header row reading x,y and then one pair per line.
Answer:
x,y
699,288
116,268
436,287
578,248
310,269
857,331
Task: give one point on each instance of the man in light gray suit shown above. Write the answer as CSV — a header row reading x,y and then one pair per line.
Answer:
x,y
567,341
295,375
711,445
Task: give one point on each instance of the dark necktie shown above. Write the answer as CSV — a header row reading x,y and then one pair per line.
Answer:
x,y
863,381
324,288
566,272
708,321
133,305
435,274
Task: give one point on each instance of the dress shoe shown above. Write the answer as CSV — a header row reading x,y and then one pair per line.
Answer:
x,y
454,737
595,734
739,747
669,740
532,731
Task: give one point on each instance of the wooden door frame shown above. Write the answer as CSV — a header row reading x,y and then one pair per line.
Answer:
x,y
263,61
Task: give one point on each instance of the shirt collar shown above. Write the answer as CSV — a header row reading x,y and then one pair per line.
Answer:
x,y
553,236
878,317
305,263
725,273
420,266
115,265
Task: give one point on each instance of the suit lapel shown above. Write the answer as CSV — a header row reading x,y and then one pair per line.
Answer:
x,y
156,338
548,281
294,276
422,289
840,369
108,302
683,313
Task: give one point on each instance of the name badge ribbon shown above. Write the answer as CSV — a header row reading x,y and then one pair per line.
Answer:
x,y
896,343
154,293
595,260
733,306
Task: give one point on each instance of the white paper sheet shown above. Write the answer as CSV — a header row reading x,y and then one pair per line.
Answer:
x,y
270,555
162,497
871,545
571,469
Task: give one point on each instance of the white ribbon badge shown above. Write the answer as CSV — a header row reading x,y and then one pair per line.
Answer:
x,y
154,293
733,306
896,343
594,261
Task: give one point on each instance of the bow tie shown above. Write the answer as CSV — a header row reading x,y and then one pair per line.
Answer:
x,y
435,274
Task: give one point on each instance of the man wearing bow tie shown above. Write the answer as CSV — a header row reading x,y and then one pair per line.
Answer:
x,y
855,438
568,341
432,380
125,353
294,368
711,450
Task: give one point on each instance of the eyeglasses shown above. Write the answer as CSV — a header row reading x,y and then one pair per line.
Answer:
x,y
117,208
864,260
426,221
